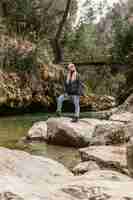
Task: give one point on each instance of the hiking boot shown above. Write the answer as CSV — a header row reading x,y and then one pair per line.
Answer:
x,y
58,113
75,119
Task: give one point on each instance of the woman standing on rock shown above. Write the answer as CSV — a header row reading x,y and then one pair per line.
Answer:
x,y
72,92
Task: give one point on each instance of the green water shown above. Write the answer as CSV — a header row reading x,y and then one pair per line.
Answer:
x,y
13,128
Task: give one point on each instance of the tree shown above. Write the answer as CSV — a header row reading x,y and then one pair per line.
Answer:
x,y
56,41
122,35
37,20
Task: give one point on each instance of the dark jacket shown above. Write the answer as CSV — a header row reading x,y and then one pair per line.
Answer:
x,y
74,87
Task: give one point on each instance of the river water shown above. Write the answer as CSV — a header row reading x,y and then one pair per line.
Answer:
x,y
13,128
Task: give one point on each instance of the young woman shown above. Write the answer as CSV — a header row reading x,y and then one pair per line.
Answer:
x,y
72,91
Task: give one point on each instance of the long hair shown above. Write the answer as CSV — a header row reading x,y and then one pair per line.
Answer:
x,y
71,76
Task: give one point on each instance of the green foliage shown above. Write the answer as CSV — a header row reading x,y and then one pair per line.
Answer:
x,y
19,16
89,87
34,19
24,63
122,39
102,82
82,42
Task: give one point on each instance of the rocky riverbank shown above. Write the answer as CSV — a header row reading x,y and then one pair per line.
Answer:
x,y
115,131
88,131
27,177
105,148
104,172
104,141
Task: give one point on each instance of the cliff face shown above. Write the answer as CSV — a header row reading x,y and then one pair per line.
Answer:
x,y
27,75
22,90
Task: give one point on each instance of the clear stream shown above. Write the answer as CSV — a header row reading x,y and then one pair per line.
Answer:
x,y
13,128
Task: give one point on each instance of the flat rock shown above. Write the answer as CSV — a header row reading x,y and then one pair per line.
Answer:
x,y
125,117
26,176
99,184
110,157
22,164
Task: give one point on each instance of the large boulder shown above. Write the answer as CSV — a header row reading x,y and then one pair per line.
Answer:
x,y
22,164
29,176
107,157
62,131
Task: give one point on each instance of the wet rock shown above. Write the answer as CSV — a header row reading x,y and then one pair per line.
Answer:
x,y
38,131
107,157
84,167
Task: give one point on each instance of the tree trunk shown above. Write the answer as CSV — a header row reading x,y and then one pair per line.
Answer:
x,y
58,54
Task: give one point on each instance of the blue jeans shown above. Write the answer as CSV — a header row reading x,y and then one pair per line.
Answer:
x,y
74,98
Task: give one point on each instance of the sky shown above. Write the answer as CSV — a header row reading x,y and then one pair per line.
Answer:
x,y
81,10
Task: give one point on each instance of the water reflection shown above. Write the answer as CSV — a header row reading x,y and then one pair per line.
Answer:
x,y
12,129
